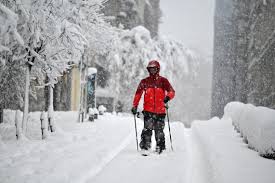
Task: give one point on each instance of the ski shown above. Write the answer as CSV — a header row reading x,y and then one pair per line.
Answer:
x,y
159,150
147,152
144,152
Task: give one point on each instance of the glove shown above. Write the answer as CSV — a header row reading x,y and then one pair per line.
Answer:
x,y
166,99
134,110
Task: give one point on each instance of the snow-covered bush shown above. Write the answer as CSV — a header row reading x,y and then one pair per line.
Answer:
x,y
93,114
91,111
256,124
102,109
96,111
234,110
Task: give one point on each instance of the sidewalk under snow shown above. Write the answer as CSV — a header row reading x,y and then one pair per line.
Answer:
x,y
74,152
225,158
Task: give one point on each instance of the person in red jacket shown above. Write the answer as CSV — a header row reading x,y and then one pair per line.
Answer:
x,y
157,92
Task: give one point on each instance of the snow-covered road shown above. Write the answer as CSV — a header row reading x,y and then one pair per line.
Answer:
x,y
130,166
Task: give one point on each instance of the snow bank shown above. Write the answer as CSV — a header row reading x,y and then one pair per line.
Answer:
x,y
225,158
256,125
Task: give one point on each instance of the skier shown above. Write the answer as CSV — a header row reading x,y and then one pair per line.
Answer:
x,y
157,92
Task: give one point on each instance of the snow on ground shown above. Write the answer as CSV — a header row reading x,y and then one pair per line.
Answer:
x,y
100,151
75,151
130,166
105,151
226,157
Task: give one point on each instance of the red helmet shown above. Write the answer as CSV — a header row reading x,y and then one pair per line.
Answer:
x,y
153,63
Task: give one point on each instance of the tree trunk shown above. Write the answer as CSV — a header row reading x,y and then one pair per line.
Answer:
x,y
81,112
115,103
80,108
17,125
26,100
43,125
50,110
85,100
1,114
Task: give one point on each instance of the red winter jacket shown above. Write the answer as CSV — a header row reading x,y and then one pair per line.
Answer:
x,y
155,89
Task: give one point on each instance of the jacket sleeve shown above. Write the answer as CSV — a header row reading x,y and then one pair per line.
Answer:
x,y
170,90
138,94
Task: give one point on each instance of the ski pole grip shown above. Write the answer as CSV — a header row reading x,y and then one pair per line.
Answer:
x,y
138,114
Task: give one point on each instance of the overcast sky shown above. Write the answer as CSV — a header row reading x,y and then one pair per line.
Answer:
x,y
190,21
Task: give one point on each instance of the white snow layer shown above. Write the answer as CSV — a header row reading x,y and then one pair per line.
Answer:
x,y
92,70
100,151
105,151
256,125
222,157
72,154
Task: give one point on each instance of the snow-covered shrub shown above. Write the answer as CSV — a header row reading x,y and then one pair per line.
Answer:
x,y
102,109
233,110
246,120
93,114
256,124
263,131
91,111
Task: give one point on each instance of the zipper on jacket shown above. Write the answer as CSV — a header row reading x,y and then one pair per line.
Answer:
x,y
155,99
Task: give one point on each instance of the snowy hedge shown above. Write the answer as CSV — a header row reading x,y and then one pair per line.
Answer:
x,y
256,125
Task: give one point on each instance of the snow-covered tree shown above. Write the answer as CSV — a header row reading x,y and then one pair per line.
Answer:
x,y
48,35
132,52
180,65
10,77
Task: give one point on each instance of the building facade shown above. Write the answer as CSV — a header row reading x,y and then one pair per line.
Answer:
x,y
131,13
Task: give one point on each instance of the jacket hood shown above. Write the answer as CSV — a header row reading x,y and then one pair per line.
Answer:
x,y
154,63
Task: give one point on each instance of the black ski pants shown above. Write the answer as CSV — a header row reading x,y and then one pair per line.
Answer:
x,y
152,122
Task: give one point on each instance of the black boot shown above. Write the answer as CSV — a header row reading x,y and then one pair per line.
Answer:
x,y
145,143
160,141
160,148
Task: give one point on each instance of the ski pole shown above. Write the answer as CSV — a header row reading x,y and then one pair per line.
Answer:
x,y
169,127
136,130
